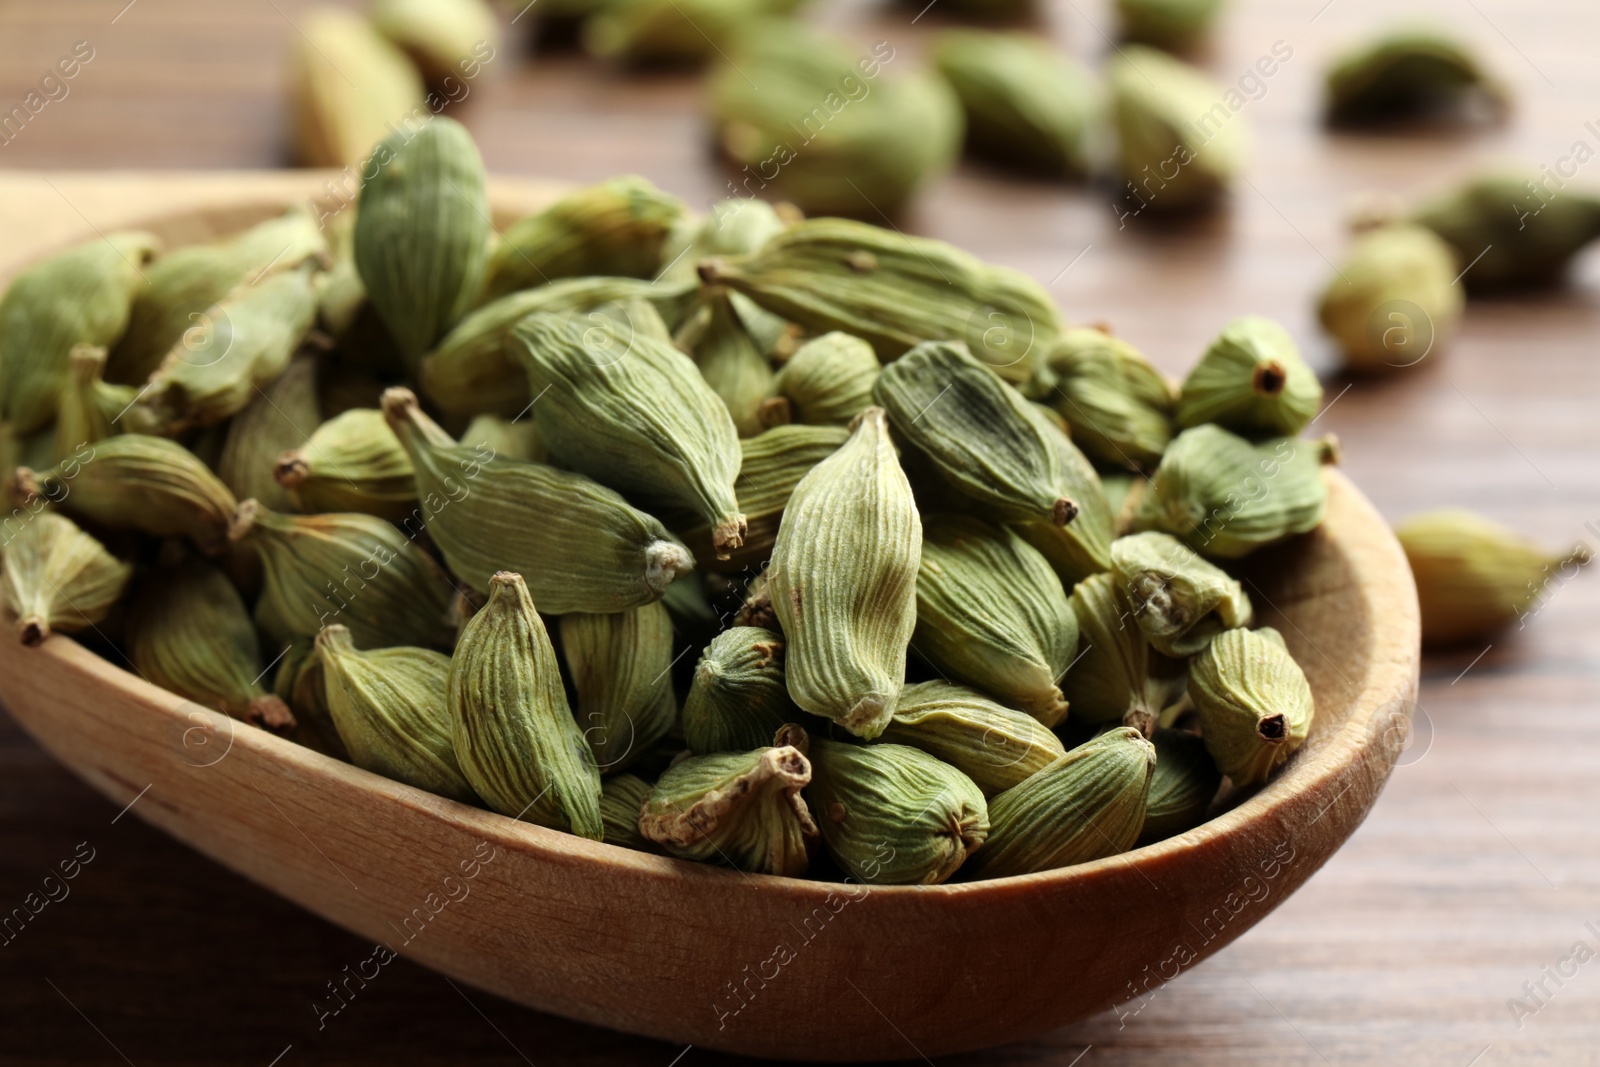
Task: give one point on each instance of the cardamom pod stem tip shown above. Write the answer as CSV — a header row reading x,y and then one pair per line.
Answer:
x,y
728,535
271,714
1064,511
33,630
243,519
664,563
291,469
25,485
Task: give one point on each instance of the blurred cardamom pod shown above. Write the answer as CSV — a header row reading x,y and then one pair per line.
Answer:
x,y
619,665
1513,230
56,577
89,408
1394,299
445,38
671,32
1251,380
1176,25
1119,406
1182,786
280,418
350,87
1179,600
1254,703
1410,74
738,699
504,438
997,747
622,797
737,226
1179,144
729,360
352,462
828,380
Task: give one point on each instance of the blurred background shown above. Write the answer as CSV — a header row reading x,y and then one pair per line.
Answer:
x,y
1479,867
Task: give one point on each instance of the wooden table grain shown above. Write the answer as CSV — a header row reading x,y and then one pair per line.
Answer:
x,y
1460,926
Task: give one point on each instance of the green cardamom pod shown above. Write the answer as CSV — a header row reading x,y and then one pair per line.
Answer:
x,y
1182,787
1027,103
648,33
78,297
730,360
1119,406
1179,600
1394,298
619,665
828,380
1512,230
1114,680
1475,577
505,438
352,462
1180,145
190,632
741,809
583,547
135,482
1254,703
622,797
894,815
1083,546
56,577
1176,25
280,418
422,233
633,413
445,38
1407,75
991,612
843,580
1251,381
391,709
351,86
355,570
997,747
1225,497
895,292
738,226
89,407
1086,805
300,685
738,699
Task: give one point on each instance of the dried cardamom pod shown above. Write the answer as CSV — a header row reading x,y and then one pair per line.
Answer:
x,y
1027,103
997,747
1513,230
991,611
742,809
1407,75
1475,577
622,797
1085,806
1251,381
1119,406
583,547
738,226
56,577
1254,702
672,32
135,482
422,233
1113,681
1179,600
843,581
505,438
78,297
352,462
633,413
89,408
190,632
1176,25
391,709
350,87
1083,546
280,418
737,700
1182,787
729,360
894,815
828,380
895,292
619,665
515,738
355,570
1180,145
300,685
1394,299
444,38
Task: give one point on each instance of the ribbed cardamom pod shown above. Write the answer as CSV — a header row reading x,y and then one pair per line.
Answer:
x,y
135,482
730,360
1120,407
1511,229
1254,702
445,38
89,407
57,577
622,797
1085,806
299,684
633,413
620,666
78,297
738,226
828,380
997,747
1407,75
894,815
738,698
1394,299
515,738
1179,600
1179,144
895,292
1475,577
422,234
505,438
352,462
1225,497
341,297
350,569
1112,681
582,547
181,287
615,229
1182,787
236,348
473,369
773,464
1177,25
1083,546
1027,103
991,611
189,631
351,86
843,580
741,809
1251,381
280,418
391,708
672,32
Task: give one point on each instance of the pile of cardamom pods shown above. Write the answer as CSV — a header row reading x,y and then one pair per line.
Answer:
x,y
954,572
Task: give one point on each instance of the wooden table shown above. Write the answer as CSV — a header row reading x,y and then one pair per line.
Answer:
x,y
1477,872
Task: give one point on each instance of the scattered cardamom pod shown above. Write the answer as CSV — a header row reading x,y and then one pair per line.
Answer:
x,y
1411,74
1394,298
444,38
1176,25
1119,406
619,666
280,418
738,698
1182,786
622,797
729,360
828,380
351,86
1513,230
1180,145
997,747
1179,601
1251,380
89,408
56,577
1254,703
352,462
